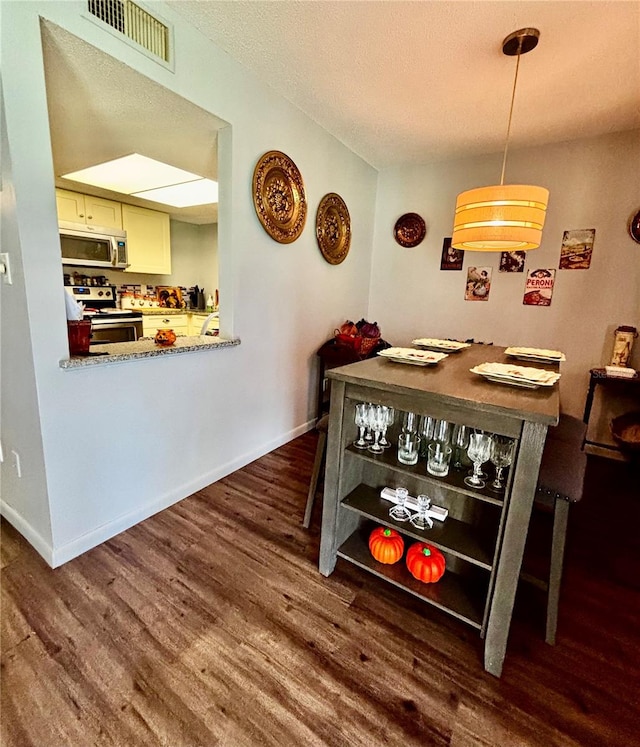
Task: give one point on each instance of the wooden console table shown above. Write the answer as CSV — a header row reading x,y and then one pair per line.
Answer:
x,y
484,535
599,376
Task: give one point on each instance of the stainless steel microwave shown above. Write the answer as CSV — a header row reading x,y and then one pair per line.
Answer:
x,y
93,246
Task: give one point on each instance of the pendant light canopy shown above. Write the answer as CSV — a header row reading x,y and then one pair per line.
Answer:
x,y
503,217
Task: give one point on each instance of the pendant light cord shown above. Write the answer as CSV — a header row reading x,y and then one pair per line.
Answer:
x,y
513,98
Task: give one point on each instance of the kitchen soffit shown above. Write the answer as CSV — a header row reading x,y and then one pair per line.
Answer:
x,y
128,113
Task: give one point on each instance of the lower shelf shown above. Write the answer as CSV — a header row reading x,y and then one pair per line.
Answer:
x,y
461,597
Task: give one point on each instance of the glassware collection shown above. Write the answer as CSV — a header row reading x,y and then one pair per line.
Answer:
x,y
372,422
443,445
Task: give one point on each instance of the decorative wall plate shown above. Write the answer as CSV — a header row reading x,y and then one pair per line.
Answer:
x,y
409,230
333,228
634,227
278,196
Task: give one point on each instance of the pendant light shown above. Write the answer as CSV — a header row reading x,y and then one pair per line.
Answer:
x,y
504,217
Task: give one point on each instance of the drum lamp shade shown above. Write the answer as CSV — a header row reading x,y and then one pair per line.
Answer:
x,y
500,218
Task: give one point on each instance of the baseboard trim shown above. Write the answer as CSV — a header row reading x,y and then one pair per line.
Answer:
x,y
35,539
85,542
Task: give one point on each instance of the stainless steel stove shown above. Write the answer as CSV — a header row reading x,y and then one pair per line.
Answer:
x,y
108,323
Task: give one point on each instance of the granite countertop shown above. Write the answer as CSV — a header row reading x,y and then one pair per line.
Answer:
x,y
145,347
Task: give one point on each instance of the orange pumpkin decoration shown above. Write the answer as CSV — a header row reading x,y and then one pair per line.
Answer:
x,y
165,337
386,545
425,562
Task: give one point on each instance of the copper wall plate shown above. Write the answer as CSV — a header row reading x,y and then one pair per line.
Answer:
x,y
333,228
634,227
410,229
278,196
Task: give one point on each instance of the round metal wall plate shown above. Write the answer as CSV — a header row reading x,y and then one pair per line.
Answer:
x,y
278,196
634,227
333,228
409,230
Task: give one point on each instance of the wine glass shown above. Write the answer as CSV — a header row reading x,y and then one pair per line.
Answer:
x,y
421,520
410,422
425,430
377,420
390,415
399,512
478,451
442,431
460,442
361,423
482,474
368,436
501,456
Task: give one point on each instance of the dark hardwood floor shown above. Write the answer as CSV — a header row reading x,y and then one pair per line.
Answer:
x,y
209,624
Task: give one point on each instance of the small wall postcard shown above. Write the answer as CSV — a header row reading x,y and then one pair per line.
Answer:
x,y
451,259
478,284
576,250
538,288
512,261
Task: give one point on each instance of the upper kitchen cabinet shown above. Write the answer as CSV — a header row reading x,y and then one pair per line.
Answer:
x,y
148,240
79,208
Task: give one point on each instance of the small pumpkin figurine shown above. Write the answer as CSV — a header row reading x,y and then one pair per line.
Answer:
x,y
425,562
165,337
386,545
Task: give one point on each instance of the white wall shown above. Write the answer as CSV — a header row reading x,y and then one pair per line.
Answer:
x,y
24,499
169,426
593,184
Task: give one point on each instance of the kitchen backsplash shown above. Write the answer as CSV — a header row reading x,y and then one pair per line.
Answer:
x,y
141,295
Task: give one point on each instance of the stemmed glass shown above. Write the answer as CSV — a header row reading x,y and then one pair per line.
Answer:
x,y
460,442
390,415
399,512
478,451
421,520
368,436
501,456
362,421
377,421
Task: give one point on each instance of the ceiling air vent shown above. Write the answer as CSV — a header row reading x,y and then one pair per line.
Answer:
x,y
135,23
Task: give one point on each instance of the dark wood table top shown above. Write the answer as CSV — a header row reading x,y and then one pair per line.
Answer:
x,y
451,381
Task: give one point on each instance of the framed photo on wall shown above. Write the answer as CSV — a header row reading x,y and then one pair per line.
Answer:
x,y
512,261
577,248
478,284
538,288
451,259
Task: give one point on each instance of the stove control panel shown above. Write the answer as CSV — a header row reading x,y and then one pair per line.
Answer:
x,y
88,293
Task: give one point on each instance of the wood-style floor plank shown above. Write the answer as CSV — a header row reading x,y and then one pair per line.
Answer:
x,y
209,624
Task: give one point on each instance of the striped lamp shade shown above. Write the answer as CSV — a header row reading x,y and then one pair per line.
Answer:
x,y
502,218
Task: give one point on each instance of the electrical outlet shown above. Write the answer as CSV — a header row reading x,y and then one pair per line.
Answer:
x,y
15,461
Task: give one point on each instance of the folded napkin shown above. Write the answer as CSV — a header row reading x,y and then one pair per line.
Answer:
x,y
623,372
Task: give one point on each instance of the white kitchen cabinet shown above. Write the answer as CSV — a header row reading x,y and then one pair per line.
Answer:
x,y
197,320
78,208
148,240
151,323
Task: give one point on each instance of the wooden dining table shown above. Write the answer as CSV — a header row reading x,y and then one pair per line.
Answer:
x,y
483,566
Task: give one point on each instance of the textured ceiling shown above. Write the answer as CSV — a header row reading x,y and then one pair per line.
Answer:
x,y
397,82
412,82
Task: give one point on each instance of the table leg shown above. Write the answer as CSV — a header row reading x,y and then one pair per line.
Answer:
x,y
589,402
525,481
